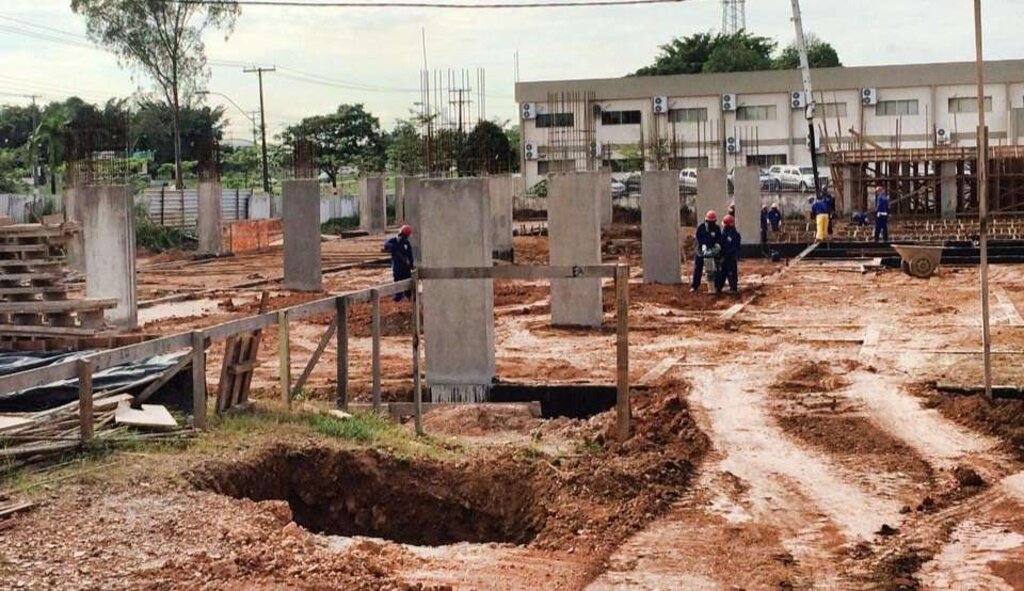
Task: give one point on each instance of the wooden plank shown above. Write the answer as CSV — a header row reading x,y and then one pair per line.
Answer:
x,y
284,357
54,306
85,415
24,248
198,382
341,362
659,370
417,385
518,272
622,405
375,348
227,377
47,331
33,290
161,381
150,416
32,277
320,347
8,422
34,263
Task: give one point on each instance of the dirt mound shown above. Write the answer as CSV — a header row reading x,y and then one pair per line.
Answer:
x,y
482,419
1003,418
531,250
510,293
395,319
816,376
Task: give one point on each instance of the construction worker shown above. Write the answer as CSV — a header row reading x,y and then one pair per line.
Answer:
x,y
830,205
819,211
709,237
402,261
764,225
728,270
881,214
775,217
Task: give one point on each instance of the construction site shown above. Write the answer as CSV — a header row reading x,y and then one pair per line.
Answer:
x,y
546,401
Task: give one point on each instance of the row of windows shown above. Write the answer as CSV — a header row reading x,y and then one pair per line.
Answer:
x,y
891,108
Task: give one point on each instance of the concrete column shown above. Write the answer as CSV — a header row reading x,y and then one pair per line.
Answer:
x,y
574,238
76,244
850,200
604,197
659,213
400,200
458,315
948,182
712,192
300,204
209,218
372,206
746,184
108,228
501,189
413,188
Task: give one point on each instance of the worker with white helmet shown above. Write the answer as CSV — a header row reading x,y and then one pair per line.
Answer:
x,y
708,236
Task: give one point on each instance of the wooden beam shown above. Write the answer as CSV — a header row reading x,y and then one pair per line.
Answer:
x,y
341,361
417,386
315,358
161,381
375,331
622,405
284,357
198,380
85,418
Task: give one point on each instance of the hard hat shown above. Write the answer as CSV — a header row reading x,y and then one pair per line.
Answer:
x,y
405,230
729,220
775,205
711,216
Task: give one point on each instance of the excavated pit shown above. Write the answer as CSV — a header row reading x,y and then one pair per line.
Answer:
x,y
577,401
364,493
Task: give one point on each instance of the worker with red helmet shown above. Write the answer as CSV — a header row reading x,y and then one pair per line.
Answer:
x,y
401,257
728,269
709,235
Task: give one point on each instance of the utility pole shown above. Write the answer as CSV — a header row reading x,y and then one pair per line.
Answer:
x,y
805,73
263,124
252,118
982,172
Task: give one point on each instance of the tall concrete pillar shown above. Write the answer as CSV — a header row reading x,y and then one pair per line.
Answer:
x,y
947,182
209,218
73,214
851,186
458,314
400,200
746,184
413,188
659,224
574,238
712,192
108,228
300,205
372,206
604,197
501,191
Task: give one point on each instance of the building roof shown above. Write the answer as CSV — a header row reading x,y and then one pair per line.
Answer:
x,y
767,81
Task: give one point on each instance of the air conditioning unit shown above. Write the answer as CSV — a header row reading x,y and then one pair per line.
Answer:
x,y
660,104
869,96
732,145
728,102
596,149
597,109
798,99
817,141
528,110
942,136
530,151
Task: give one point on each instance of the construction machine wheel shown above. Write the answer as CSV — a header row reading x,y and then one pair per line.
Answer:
x,y
922,267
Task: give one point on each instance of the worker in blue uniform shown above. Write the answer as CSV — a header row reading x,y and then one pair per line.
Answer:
x,y
764,225
729,268
881,214
708,235
830,206
775,217
402,261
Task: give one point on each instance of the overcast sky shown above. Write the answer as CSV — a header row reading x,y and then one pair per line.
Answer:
x,y
43,50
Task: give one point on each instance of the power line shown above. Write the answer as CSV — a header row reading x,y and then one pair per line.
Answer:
x,y
444,5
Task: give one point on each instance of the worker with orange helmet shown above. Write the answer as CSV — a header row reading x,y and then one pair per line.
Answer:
x,y
401,257
728,269
709,235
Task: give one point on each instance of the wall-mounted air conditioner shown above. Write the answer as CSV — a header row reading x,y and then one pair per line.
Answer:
x,y
728,102
530,151
596,149
660,104
528,110
732,145
942,136
869,96
798,99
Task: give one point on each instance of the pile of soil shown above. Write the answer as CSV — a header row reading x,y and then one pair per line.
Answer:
x,y
511,293
531,250
476,420
1003,418
395,319
677,297
812,376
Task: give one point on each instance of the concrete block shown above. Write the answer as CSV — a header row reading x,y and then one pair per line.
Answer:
x,y
501,192
574,238
76,244
712,192
458,315
947,185
746,182
300,204
660,235
108,227
604,197
412,188
372,205
209,218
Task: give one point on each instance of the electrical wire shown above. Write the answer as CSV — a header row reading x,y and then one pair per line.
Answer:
x,y
444,5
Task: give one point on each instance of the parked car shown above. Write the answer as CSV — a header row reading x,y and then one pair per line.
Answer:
x,y
800,178
768,182
618,189
688,179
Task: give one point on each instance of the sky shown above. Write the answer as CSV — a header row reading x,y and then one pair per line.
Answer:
x,y
374,55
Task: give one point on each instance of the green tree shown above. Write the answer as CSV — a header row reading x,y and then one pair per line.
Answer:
x,y
820,54
405,148
741,52
17,124
350,136
682,55
12,170
486,150
513,135
152,128
164,39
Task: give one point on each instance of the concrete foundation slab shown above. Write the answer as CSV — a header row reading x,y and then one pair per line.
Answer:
x,y
458,315
604,197
659,212
501,191
108,227
372,205
209,218
574,238
712,192
746,183
300,204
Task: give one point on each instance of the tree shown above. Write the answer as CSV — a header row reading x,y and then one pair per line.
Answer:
x,y
163,38
350,136
17,124
405,148
820,54
741,52
152,128
513,135
685,55
486,150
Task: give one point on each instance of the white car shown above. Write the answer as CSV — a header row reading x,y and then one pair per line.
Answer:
x,y
800,178
688,179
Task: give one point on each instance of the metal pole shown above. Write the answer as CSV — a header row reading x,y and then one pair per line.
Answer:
x,y
805,74
263,125
982,172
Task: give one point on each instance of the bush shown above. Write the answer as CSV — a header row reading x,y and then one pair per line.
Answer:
x,y
336,225
157,238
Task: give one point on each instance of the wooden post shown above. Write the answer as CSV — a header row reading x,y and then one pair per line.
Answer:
x,y
375,298
198,380
341,390
85,399
284,357
982,172
417,387
622,406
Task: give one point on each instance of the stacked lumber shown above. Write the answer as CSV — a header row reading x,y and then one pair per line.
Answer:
x,y
34,301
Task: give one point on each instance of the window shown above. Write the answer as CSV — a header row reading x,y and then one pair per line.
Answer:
x,y
968,104
893,108
688,115
765,160
688,162
555,120
620,117
830,110
756,113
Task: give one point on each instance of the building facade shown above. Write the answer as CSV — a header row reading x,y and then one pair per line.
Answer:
x,y
725,120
